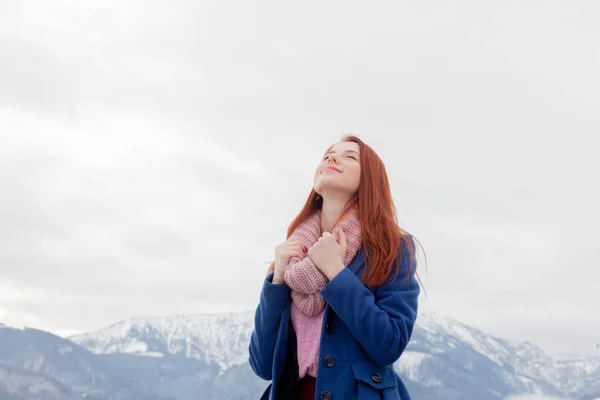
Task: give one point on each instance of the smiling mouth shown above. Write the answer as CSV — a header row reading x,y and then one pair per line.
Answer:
x,y
332,169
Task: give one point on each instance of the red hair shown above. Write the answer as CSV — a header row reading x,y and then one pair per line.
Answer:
x,y
382,237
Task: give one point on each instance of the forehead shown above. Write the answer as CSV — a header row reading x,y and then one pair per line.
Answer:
x,y
344,146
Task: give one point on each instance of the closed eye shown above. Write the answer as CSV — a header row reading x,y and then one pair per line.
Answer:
x,y
351,156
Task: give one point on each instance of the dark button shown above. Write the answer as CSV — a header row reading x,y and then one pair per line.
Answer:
x,y
329,361
325,395
329,327
375,377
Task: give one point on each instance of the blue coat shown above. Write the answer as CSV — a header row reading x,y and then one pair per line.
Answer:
x,y
364,332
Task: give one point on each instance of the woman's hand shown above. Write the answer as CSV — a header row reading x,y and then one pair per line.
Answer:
x,y
328,255
283,252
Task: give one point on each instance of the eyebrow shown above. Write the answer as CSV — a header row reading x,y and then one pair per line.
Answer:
x,y
345,151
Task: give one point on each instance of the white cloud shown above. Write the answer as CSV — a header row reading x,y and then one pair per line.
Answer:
x,y
152,158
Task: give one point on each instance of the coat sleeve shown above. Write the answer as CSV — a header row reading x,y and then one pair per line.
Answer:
x,y
273,298
383,322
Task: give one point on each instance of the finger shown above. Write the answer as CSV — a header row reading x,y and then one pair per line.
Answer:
x,y
299,247
295,249
300,244
298,254
293,245
290,243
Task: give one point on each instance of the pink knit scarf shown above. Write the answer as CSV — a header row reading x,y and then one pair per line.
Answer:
x,y
302,276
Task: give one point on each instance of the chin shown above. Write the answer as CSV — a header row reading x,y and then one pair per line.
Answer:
x,y
332,190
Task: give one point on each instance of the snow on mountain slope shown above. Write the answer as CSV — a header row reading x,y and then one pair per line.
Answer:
x,y
37,365
222,338
15,383
445,331
524,365
443,352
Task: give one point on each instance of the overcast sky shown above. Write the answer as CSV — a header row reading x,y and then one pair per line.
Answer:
x,y
152,155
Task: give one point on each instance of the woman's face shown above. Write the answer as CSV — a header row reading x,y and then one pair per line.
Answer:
x,y
339,171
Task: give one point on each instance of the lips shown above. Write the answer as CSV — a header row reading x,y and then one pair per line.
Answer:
x,y
331,168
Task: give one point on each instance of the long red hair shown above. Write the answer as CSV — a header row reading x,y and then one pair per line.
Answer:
x,y
382,237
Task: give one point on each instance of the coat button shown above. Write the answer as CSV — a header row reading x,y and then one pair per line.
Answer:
x,y
329,361
375,377
329,327
325,395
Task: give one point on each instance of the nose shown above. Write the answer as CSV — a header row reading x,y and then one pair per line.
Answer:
x,y
332,157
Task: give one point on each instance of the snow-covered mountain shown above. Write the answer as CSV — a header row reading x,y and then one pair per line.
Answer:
x,y
446,353
205,357
221,339
36,365
445,357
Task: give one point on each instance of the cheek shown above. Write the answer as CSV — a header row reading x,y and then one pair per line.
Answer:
x,y
356,176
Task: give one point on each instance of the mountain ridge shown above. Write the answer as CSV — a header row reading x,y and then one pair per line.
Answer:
x,y
183,356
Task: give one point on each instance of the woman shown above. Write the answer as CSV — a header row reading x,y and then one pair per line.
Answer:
x,y
339,303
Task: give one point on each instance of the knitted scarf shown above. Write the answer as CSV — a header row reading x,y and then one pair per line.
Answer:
x,y
302,276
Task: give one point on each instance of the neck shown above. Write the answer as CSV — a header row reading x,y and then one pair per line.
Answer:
x,y
331,212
